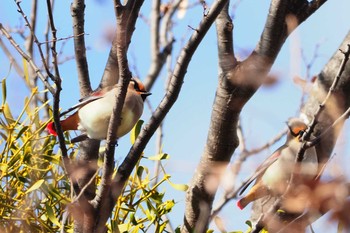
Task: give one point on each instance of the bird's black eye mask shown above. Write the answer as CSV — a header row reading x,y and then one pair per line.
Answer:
x,y
136,85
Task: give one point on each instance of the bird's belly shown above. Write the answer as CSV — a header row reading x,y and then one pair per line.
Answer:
x,y
127,122
278,175
94,120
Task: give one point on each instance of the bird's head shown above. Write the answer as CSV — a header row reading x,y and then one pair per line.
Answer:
x,y
296,128
138,86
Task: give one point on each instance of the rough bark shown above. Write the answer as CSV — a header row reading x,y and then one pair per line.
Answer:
x,y
89,149
238,81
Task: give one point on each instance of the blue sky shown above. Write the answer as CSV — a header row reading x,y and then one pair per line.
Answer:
x,y
185,127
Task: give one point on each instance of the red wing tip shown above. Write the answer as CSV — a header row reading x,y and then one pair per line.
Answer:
x,y
51,128
239,204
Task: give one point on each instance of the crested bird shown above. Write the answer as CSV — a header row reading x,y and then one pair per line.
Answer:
x,y
94,112
274,174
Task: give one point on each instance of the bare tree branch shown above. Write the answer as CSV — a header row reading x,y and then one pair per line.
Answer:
x,y
77,12
126,20
29,44
169,99
238,81
28,59
158,57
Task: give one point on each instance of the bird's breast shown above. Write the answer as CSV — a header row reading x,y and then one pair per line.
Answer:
x,y
95,116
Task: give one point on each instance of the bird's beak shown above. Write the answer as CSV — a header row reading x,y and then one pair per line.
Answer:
x,y
145,94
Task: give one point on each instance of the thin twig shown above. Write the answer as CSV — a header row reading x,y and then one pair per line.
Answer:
x,y
321,107
28,59
228,196
325,133
61,39
57,79
46,66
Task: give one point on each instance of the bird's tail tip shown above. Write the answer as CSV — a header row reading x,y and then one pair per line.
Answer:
x,y
240,204
51,128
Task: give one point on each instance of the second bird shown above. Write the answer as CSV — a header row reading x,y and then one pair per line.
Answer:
x,y
274,174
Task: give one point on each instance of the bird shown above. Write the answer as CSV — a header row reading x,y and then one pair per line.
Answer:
x,y
94,112
273,175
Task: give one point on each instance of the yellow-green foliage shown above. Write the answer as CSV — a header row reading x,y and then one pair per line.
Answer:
x,y
34,190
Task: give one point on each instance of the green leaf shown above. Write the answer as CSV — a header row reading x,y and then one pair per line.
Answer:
x,y
25,70
249,223
3,169
7,113
160,156
35,186
132,219
140,171
4,91
167,205
51,214
135,131
162,227
124,227
21,132
136,229
180,187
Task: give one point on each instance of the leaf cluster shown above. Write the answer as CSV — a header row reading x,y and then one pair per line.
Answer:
x,y
34,189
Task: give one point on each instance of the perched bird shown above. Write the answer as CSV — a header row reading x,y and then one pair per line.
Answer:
x,y
94,112
273,175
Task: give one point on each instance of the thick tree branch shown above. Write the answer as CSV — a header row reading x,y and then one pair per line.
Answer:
x,y
169,99
126,20
205,181
238,81
279,25
158,57
89,149
78,12
110,75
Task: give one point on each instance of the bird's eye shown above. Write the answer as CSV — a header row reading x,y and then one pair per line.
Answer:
x,y
301,133
136,85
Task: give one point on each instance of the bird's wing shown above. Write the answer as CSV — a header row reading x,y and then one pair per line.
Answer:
x,y
261,169
94,96
81,104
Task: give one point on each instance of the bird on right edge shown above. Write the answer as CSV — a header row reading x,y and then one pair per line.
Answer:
x,y
273,175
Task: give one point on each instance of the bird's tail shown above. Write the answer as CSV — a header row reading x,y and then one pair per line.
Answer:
x,y
70,123
257,191
242,203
